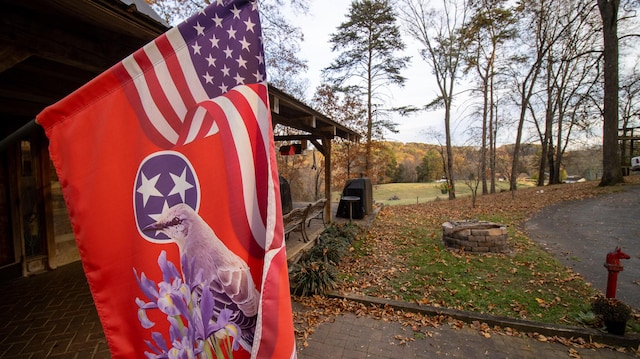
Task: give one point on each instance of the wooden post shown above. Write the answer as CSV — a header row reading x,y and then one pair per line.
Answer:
x,y
326,142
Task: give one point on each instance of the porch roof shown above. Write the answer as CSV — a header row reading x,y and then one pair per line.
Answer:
x,y
48,49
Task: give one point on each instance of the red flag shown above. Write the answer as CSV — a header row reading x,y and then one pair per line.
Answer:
x,y
168,169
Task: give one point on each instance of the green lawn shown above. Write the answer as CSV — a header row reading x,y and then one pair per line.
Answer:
x,y
413,193
402,257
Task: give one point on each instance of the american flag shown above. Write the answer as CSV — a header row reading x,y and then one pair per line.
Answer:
x,y
199,94
204,57
206,76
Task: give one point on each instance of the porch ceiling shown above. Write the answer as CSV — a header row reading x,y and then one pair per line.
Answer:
x,y
49,48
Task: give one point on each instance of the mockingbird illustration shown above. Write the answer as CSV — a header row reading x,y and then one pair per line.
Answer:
x,y
228,274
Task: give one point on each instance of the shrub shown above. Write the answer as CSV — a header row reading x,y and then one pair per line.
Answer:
x,y
311,278
611,309
316,272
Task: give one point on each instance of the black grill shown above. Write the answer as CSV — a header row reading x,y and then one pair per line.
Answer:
x,y
359,187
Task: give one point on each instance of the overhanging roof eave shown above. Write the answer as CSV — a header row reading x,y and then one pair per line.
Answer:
x,y
290,112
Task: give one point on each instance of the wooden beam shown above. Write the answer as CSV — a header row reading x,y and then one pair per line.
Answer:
x,y
299,125
11,56
295,114
47,199
39,34
328,130
295,138
629,138
275,104
319,146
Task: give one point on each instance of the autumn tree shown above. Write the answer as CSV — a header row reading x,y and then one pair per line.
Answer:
x,y
317,172
430,167
295,170
439,33
367,43
346,109
469,167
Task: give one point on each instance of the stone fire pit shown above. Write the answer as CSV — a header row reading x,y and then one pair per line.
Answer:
x,y
475,236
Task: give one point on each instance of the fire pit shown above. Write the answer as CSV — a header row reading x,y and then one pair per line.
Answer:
x,y
475,236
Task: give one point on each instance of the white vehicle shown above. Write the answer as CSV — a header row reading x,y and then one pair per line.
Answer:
x,y
635,163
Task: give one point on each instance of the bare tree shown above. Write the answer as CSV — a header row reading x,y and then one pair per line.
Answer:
x,y
547,30
630,98
490,26
439,33
317,171
571,74
470,168
346,109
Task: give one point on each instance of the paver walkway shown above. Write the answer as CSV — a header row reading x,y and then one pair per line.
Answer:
x,y
348,336
51,315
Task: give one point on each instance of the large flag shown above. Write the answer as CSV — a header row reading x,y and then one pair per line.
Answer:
x,y
168,170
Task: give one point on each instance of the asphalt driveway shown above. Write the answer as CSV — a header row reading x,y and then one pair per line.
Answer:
x,y
581,233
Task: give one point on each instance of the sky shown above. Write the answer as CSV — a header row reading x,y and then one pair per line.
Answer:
x,y
420,88
323,19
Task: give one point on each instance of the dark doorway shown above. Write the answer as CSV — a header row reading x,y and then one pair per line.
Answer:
x,y
32,207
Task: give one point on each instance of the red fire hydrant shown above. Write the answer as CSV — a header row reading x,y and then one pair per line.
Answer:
x,y
613,266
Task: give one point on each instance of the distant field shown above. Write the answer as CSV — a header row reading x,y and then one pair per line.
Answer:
x,y
412,193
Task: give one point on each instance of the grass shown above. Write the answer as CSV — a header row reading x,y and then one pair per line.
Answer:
x,y
402,257
414,193
529,285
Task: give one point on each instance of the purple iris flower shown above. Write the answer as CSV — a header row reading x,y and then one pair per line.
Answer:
x,y
223,328
190,308
147,285
160,348
142,313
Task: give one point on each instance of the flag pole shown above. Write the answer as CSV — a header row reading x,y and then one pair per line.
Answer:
x,y
22,131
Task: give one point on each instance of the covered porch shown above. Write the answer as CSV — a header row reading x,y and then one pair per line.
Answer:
x,y
47,54
304,125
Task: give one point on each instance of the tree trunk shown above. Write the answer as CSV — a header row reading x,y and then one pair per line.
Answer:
x,y
611,170
486,103
368,160
515,170
558,150
526,93
546,158
447,128
493,116
485,115
552,164
483,155
543,163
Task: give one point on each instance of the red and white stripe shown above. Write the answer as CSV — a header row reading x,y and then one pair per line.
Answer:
x,y
165,87
174,109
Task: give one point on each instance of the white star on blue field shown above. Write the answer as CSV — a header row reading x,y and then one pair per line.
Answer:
x,y
163,181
